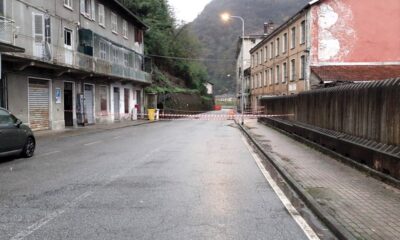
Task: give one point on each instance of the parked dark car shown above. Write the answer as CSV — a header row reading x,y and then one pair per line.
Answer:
x,y
15,138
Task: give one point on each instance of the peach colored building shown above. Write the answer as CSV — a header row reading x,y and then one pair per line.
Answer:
x,y
327,41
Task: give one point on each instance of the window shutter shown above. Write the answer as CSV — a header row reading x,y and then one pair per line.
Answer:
x,y
38,28
93,10
82,6
47,29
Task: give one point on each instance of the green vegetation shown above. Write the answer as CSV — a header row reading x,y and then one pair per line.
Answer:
x,y
166,38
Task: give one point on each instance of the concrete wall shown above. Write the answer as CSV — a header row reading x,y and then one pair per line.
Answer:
x,y
351,31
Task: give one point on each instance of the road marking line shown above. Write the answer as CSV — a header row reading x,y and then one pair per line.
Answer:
x,y
31,229
286,202
117,137
92,143
45,220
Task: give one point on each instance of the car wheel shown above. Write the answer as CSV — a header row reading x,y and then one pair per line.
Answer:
x,y
29,148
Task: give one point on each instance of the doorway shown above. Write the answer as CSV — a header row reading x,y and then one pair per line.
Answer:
x,y
127,98
68,104
139,103
89,104
116,104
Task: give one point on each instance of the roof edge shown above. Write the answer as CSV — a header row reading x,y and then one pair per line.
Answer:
x,y
292,18
138,20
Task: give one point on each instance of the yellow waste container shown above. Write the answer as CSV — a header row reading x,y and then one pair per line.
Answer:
x,y
151,114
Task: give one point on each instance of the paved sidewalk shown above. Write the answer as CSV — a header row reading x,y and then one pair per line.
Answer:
x,y
364,206
70,132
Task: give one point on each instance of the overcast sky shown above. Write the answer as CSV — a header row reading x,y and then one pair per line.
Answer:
x,y
187,10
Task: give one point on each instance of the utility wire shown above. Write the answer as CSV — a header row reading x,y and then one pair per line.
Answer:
x,y
193,59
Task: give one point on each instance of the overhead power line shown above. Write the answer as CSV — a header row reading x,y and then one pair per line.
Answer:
x,y
193,59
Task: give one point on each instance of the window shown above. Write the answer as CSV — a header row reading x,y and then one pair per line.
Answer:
x,y
266,78
103,50
292,70
271,54
102,19
126,59
125,29
303,32
303,67
114,54
285,43
68,3
271,76
266,53
278,44
68,38
252,60
293,40
88,9
262,56
278,75
114,23
138,35
256,59
6,118
259,80
284,72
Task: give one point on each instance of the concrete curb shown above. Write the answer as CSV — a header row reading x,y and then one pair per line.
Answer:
x,y
333,225
343,159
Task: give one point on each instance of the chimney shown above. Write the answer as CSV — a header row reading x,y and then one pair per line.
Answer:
x,y
268,27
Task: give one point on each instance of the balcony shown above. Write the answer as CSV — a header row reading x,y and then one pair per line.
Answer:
x,y
7,36
63,57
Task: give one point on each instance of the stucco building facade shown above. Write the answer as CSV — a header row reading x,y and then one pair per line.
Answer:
x,y
327,40
83,62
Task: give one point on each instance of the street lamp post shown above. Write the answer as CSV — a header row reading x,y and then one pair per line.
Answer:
x,y
225,17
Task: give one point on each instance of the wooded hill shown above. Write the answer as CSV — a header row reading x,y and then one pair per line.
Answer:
x,y
167,38
219,40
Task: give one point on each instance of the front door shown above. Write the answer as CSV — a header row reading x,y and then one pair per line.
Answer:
x,y
89,104
116,104
127,97
68,104
139,103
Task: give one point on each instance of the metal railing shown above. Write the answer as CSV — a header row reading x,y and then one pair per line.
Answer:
x,y
60,55
7,31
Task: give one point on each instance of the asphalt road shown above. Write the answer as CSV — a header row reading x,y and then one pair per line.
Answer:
x,y
168,180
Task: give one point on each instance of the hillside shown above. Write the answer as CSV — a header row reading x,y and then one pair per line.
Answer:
x,y
219,39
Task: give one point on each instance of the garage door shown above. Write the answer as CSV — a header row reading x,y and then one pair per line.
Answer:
x,y
89,104
39,104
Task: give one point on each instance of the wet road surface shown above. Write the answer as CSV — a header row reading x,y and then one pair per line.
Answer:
x,y
168,180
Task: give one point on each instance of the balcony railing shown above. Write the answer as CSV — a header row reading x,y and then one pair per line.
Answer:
x,y
62,56
7,30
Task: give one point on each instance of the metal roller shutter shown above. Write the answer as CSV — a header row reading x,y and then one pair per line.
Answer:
x,y
39,104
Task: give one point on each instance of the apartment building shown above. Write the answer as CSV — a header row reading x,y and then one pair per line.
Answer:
x,y
249,41
83,62
327,40
278,62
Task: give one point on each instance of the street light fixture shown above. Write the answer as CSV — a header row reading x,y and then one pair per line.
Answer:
x,y
226,17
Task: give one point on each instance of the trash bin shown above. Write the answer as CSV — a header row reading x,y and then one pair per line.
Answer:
x,y
151,114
